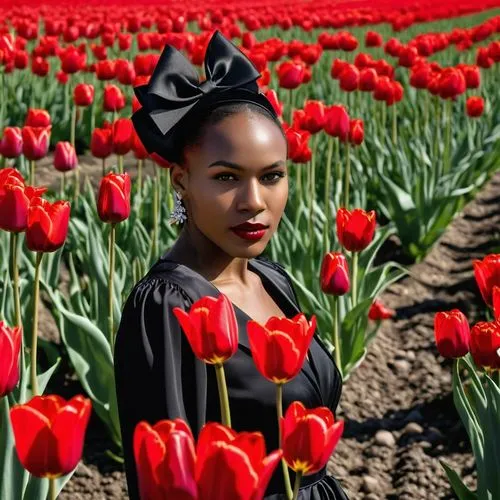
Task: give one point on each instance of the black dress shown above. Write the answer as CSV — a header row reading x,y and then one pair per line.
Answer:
x,y
158,377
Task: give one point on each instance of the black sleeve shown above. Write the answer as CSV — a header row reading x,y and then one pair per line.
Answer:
x,y
157,375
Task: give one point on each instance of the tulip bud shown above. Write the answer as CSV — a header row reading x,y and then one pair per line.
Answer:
x,y
122,136
113,203
11,145
83,95
10,347
290,74
65,158
379,312
452,333
101,142
356,131
113,100
474,106
337,122
485,343
334,274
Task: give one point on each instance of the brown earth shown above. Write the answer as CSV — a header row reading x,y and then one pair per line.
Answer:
x,y
398,406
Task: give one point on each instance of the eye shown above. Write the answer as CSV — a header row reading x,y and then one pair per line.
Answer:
x,y
274,180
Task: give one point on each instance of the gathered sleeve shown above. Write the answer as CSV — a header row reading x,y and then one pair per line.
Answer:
x,y
157,375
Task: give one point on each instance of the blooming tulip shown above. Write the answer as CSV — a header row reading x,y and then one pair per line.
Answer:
x,y
290,74
47,225
337,122
378,311
113,203
211,328
309,437
65,158
334,274
485,343
298,145
10,346
314,116
452,333
474,106
37,118
280,346
165,459
355,229
237,460
113,99
49,433
487,274
35,141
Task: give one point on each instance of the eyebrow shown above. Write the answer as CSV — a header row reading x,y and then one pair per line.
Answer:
x,y
230,164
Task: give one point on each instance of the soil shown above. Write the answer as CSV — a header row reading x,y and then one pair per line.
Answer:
x,y
397,406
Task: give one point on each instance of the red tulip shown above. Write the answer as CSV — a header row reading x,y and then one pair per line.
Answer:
x,y
105,70
314,116
125,72
452,333
487,274
14,205
10,347
347,41
474,106
273,99
356,131
211,328
138,148
373,39
298,145
337,122
122,136
49,433
485,344
101,142
65,158
378,311
238,461
309,437
367,79
384,90
355,229
47,225
11,145
420,76
280,346
290,74
472,76
72,60
349,78
83,95
451,83
165,458
37,118
40,66
338,66
113,203
483,59
35,141
334,274
113,99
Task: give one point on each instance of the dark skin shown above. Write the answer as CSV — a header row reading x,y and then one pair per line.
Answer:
x,y
219,197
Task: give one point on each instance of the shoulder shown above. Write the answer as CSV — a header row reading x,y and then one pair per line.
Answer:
x,y
278,270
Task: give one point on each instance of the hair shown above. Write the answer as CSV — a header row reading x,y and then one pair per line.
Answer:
x,y
190,134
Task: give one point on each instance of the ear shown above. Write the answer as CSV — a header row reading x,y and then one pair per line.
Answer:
x,y
179,178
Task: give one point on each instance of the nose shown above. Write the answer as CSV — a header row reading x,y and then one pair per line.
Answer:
x,y
251,197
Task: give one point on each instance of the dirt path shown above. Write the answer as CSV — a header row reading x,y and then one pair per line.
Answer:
x,y
398,406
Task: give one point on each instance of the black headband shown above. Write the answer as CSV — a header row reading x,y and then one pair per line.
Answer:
x,y
175,93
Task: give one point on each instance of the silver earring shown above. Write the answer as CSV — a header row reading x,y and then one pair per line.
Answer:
x,y
179,213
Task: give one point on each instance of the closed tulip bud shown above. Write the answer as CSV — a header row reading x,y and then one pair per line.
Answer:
x,y
378,311
65,158
337,122
113,203
487,274
347,41
334,274
373,39
210,318
474,106
49,433
37,118
122,136
290,74
83,95
113,100
483,59
10,347
485,344
338,66
279,347
452,333
356,131
309,437
355,229
367,79
47,225
472,76
349,78
11,145
101,142
36,141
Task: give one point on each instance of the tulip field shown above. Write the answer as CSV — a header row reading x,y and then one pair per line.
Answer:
x,y
391,238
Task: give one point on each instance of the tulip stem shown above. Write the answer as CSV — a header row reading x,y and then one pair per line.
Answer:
x,y
52,489
279,411
326,241
223,395
34,336
354,296
103,167
296,486
447,146
73,125
312,193
336,338
394,124
17,298
347,176
32,172
110,284
120,164
139,177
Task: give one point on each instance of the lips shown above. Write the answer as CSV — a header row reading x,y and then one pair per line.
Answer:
x,y
250,227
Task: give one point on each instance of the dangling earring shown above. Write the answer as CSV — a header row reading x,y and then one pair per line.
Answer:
x,y
179,213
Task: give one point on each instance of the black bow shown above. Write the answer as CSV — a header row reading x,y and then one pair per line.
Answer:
x,y
174,90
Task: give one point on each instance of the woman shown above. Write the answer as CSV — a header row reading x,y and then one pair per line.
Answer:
x,y
228,154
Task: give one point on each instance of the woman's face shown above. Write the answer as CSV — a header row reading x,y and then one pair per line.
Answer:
x,y
227,182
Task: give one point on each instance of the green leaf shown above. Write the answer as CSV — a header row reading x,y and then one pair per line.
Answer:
x,y
458,486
